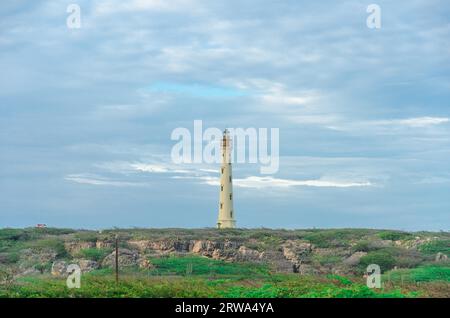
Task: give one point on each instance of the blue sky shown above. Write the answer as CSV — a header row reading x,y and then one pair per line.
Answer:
x,y
86,114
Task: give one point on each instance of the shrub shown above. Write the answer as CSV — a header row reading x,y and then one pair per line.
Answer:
x,y
361,246
335,238
395,235
13,234
382,258
49,231
327,238
435,247
50,243
43,267
327,259
86,236
95,254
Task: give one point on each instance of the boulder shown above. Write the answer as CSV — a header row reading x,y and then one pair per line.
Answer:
x,y
59,268
248,254
104,244
145,264
87,265
74,247
31,259
354,259
140,245
441,257
126,258
296,251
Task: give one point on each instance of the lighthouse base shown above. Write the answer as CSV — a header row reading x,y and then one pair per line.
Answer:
x,y
226,224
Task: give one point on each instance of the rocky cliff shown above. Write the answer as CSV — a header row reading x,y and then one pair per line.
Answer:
x,y
299,251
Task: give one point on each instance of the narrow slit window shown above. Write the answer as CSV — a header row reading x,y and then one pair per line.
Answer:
x,y
231,196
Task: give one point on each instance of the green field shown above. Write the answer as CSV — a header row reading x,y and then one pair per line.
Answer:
x,y
409,267
195,276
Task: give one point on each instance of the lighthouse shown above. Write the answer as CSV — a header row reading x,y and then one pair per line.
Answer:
x,y
226,212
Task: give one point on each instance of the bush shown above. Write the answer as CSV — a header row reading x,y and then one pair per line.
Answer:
x,y
327,238
44,267
87,236
362,246
382,258
335,238
51,243
435,247
95,254
13,234
327,259
395,235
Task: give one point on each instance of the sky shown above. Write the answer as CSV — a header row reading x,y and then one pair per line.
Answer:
x,y
86,114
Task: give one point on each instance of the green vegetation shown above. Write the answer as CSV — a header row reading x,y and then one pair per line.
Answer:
x,y
383,258
435,247
327,259
428,273
212,278
409,265
197,265
335,238
95,254
52,244
140,285
389,257
395,235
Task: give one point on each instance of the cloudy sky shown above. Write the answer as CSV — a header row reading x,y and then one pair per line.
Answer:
x,y
86,114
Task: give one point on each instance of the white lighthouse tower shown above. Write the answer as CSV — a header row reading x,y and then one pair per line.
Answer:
x,y
226,213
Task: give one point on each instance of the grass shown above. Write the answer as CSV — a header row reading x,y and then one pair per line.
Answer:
x,y
230,280
429,273
289,286
94,254
197,265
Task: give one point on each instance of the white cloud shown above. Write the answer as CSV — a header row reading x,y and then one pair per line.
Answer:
x,y
382,126
149,168
100,181
275,93
265,182
126,167
141,5
209,170
414,122
270,182
156,168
